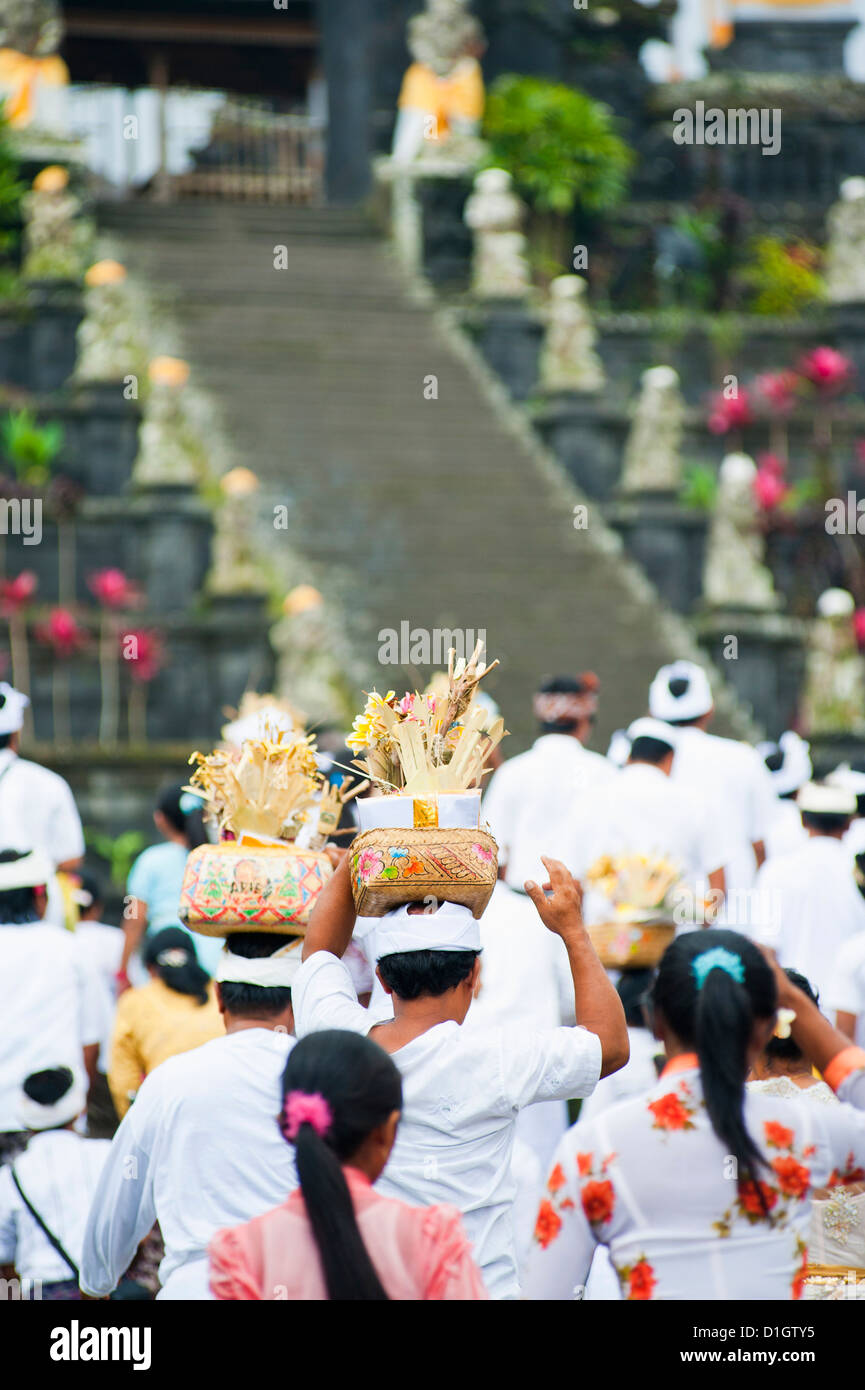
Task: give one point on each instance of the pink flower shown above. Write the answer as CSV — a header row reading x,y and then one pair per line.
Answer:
x,y
405,705
112,589
17,592
62,632
730,413
770,487
144,652
827,369
778,388
859,626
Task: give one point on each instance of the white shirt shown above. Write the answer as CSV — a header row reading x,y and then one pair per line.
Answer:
x,y
38,811
733,775
845,992
49,1008
531,796
786,831
651,1185
809,906
200,1149
641,811
58,1172
101,947
635,1078
462,1091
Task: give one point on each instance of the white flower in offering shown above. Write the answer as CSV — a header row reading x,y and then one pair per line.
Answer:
x,y
267,789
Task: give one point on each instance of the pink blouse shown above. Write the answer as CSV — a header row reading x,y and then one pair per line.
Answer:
x,y
419,1252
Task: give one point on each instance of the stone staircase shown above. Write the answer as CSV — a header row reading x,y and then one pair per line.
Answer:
x,y
444,513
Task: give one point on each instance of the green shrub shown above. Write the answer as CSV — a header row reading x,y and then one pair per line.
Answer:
x,y
30,448
781,276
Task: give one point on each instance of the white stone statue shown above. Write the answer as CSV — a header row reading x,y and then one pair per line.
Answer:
x,y
568,359
442,98
845,252
112,335
57,240
236,549
834,698
734,575
495,214
312,657
653,461
168,454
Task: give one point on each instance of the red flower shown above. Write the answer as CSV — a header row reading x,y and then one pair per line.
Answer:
x,y
778,388
584,1164
641,1281
669,1113
17,592
778,1136
769,486
730,412
794,1178
556,1178
599,1200
62,632
548,1224
749,1198
859,626
827,369
112,589
144,652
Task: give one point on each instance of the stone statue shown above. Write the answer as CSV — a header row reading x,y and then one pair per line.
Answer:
x,y
33,78
442,98
734,575
56,238
834,697
111,337
568,359
495,214
845,252
653,460
312,658
236,566
168,455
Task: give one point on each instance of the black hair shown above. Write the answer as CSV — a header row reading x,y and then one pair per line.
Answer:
x,y
90,884
825,822
186,978
255,1001
414,974
362,1088
677,686
566,685
633,989
17,905
5,740
48,1086
649,750
787,1049
717,1020
170,803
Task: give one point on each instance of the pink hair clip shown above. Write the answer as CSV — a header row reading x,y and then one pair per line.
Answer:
x,y
301,1108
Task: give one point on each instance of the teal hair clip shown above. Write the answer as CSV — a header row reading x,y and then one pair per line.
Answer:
x,y
717,959
189,802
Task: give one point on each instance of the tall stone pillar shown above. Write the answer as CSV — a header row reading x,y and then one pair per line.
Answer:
x,y
346,36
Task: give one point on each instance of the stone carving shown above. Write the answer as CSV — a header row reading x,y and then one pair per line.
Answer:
x,y
168,455
56,239
834,697
495,214
845,252
33,78
111,342
236,566
653,461
442,98
734,575
568,358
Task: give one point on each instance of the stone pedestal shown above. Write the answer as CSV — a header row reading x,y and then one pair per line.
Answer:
x,y
667,540
766,665
427,202
58,309
788,46
169,533
101,439
587,436
509,338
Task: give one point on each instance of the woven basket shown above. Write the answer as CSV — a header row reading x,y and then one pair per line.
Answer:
x,y
393,867
631,945
228,888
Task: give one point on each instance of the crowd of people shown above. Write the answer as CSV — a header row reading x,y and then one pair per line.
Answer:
x,y
426,1105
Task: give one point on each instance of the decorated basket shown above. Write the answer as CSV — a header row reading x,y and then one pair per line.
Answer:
x,y
392,867
232,887
631,945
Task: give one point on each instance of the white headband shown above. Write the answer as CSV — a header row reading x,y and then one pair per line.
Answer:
x,y
12,709
451,928
30,872
653,728
694,701
270,972
34,1116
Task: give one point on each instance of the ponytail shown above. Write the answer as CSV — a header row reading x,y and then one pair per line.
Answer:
x,y
171,954
337,1087
183,812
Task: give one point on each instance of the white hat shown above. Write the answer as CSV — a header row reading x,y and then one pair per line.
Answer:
x,y
451,928
31,871
270,972
823,800
264,723
35,1116
694,700
796,769
13,703
620,748
845,776
653,728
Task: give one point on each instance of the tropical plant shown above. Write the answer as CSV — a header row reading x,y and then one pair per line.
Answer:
x,y
118,851
559,145
782,276
12,191
699,490
31,448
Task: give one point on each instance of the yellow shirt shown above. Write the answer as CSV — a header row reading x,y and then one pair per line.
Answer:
x,y
153,1023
